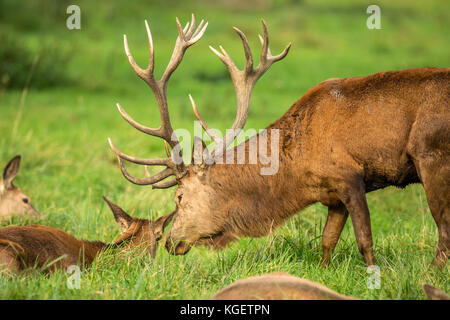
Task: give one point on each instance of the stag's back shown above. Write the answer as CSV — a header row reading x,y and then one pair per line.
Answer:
x,y
369,122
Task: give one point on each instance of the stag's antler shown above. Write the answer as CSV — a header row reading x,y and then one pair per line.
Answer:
x,y
174,165
244,81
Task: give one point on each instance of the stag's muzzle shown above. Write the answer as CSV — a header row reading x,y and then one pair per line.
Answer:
x,y
177,247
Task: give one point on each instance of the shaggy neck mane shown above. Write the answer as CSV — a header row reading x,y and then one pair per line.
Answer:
x,y
258,203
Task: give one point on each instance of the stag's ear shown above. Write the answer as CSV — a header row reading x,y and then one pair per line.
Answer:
x,y
162,223
200,153
122,218
434,293
10,172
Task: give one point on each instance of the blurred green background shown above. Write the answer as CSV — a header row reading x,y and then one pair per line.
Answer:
x,y
59,87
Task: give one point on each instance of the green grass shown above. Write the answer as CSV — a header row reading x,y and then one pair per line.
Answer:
x,y
67,165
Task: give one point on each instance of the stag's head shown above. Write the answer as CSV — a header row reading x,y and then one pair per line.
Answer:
x,y
137,232
201,209
13,202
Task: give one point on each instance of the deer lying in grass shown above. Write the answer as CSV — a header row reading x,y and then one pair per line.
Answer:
x,y
434,293
12,201
283,286
47,248
342,139
277,286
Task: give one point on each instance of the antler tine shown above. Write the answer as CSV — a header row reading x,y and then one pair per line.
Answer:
x,y
165,184
137,125
158,161
191,28
147,180
266,57
247,51
202,122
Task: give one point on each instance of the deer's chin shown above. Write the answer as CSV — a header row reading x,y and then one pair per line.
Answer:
x,y
219,241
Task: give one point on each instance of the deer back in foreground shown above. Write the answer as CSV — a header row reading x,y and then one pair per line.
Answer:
x,y
47,248
283,286
434,293
401,120
277,286
12,200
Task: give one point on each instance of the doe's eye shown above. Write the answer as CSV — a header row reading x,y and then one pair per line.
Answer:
x,y
180,197
25,200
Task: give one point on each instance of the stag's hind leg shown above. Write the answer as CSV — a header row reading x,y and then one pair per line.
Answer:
x,y
435,177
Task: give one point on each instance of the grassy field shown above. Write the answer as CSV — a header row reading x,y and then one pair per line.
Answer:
x,y
61,124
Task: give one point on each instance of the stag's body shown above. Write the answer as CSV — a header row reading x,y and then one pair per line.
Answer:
x,y
343,138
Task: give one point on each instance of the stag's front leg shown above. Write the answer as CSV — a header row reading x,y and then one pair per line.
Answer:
x,y
353,195
337,216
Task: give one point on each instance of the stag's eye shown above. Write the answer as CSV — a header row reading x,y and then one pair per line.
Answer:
x,y
180,197
25,200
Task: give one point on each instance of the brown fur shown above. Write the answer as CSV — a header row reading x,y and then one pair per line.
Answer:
x,y
343,138
277,286
13,202
434,293
47,248
283,286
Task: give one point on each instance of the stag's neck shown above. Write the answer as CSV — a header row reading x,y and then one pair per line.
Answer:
x,y
259,202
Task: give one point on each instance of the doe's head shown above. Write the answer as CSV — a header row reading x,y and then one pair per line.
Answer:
x,y
13,202
139,232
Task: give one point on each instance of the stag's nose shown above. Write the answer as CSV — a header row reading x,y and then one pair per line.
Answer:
x,y
179,248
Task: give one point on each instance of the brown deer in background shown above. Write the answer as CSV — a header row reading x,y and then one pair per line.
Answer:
x,y
342,139
47,248
12,200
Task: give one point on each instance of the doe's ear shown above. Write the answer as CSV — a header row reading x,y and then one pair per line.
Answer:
x,y
434,293
10,172
163,222
122,218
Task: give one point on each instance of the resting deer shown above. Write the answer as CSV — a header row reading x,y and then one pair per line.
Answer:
x,y
47,248
342,139
12,200
283,286
277,286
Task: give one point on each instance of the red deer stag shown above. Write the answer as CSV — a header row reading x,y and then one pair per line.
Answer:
x,y
12,201
342,139
47,248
